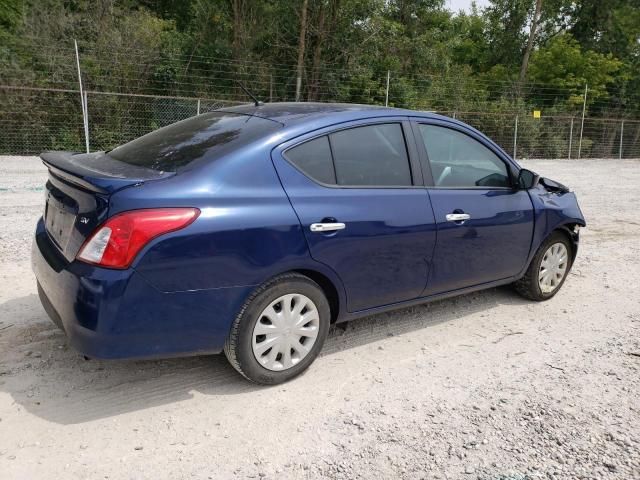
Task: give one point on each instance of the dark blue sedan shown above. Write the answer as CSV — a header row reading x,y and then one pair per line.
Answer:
x,y
251,229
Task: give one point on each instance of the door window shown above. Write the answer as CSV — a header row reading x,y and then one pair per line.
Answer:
x,y
370,156
375,155
458,160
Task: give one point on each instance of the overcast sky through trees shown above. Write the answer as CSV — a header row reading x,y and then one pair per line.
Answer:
x,y
456,5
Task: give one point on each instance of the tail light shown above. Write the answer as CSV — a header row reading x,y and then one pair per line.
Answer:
x,y
117,242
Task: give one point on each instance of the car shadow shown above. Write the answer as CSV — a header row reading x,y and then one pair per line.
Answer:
x,y
51,380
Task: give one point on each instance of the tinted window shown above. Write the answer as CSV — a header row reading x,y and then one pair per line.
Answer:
x,y
458,160
314,159
374,155
211,134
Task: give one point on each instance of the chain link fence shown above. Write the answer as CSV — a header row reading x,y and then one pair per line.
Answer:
x,y
128,95
524,136
33,120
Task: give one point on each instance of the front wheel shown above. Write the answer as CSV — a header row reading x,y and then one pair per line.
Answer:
x,y
548,269
280,330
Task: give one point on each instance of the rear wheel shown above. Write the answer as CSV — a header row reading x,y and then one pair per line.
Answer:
x,y
548,269
280,330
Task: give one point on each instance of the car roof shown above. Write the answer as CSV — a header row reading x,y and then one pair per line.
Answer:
x,y
298,117
291,113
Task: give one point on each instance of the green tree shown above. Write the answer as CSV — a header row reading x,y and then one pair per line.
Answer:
x,y
563,64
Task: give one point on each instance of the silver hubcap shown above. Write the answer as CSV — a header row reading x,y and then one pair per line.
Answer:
x,y
285,332
553,267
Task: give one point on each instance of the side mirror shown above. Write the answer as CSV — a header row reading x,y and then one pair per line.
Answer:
x,y
527,179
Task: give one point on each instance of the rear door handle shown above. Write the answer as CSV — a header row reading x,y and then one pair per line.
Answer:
x,y
457,217
327,227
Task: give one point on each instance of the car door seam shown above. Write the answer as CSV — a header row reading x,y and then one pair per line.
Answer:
x,y
304,236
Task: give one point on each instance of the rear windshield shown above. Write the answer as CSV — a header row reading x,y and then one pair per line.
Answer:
x,y
177,145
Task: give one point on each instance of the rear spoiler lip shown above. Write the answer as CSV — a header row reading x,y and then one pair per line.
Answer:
x,y
78,181
62,165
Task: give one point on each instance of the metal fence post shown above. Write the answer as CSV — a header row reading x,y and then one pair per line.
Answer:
x,y
86,121
584,108
83,101
570,139
621,134
198,108
270,88
515,138
386,98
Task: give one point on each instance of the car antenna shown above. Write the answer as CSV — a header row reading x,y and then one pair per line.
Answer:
x,y
256,102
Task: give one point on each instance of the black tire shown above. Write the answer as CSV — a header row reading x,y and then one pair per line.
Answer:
x,y
528,285
238,347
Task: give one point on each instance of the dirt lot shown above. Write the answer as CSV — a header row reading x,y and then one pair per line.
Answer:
x,y
486,386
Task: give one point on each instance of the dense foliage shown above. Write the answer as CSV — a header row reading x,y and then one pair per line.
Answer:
x,y
514,55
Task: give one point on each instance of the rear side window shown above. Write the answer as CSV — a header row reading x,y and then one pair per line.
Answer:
x,y
209,135
370,156
314,159
375,155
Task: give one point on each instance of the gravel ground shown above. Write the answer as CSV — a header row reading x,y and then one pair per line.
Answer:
x,y
485,386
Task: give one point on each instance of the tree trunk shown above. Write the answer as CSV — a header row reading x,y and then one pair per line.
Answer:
x,y
532,38
237,29
243,17
301,46
317,56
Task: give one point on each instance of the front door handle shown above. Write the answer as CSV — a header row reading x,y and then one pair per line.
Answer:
x,y
457,217
327,227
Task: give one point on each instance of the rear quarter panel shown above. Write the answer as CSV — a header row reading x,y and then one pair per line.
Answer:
x,y
247,231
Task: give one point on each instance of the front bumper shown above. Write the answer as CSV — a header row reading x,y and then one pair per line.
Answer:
x,y
117,314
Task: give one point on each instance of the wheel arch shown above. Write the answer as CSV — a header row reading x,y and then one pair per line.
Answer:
x,y
569,230
328,287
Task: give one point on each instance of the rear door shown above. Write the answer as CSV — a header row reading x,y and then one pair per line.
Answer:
x,y
485,225
359,195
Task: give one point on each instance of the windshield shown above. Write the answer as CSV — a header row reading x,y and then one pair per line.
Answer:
x,y
210,134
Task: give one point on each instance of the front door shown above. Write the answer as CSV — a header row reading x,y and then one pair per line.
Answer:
x,y
485,226
363,209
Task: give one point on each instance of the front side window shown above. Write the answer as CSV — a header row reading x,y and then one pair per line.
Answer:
x,y
459,161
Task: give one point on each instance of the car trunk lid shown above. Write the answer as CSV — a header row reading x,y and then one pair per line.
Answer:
x,y
78,190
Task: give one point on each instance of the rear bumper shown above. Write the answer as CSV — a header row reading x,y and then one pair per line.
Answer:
x,y
118,314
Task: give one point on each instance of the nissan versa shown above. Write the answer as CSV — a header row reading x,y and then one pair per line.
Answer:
x,y
251,229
